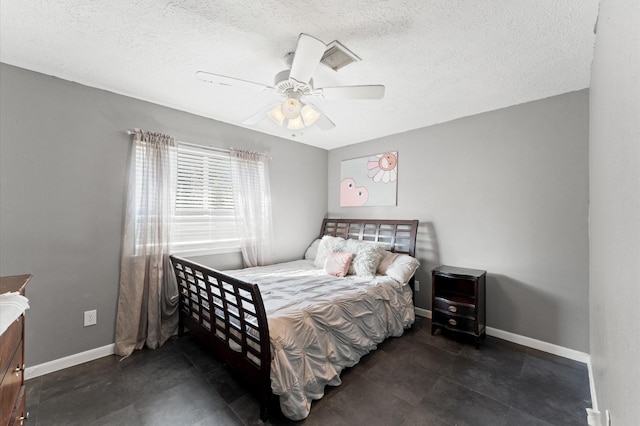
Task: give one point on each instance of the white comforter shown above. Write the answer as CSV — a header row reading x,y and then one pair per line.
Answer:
x,y
320,324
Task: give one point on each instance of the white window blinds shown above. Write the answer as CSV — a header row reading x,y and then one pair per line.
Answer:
x,y
205,220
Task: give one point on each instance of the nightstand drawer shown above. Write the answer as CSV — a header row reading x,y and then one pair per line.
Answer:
x,y
457,308
454,322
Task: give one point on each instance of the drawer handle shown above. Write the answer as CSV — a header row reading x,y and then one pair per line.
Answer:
x,y
452,322
453,309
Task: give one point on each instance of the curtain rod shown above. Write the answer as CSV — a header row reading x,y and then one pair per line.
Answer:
x,y
226,151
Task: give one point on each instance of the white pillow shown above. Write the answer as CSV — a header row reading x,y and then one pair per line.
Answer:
x,y
402,268
367,260
352,245
312,250
388,258
326,246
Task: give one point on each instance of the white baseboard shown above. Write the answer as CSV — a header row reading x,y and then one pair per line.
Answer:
x,y
539,345
594,416
68,361
423,312
526,341
592,385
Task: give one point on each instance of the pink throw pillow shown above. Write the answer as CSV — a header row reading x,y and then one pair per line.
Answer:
x,y
337,263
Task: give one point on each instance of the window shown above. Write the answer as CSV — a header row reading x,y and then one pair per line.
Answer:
x,y
205,221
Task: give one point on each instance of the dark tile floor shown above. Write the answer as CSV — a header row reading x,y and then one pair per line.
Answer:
x,y
416,379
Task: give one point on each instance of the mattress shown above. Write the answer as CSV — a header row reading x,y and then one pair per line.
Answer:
x,y
320,324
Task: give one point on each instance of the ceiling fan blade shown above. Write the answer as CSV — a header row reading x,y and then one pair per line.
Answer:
x,y
324,123
306,58
231,82
352,92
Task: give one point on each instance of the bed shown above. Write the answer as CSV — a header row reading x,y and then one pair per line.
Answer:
x,y
291,328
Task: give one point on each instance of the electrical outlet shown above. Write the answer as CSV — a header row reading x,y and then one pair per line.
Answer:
x,y
416,284
90,318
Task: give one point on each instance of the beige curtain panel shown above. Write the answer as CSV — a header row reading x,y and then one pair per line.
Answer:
x,y
252,202
148,298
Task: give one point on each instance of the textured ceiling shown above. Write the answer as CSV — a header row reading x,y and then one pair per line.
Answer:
x,y
439,59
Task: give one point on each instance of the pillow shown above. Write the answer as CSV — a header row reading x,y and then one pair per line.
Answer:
x,y
368,258
387,260
312,250
337,263
402,268
326,246
351,246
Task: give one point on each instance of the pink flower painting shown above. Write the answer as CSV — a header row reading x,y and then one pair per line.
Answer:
x,y
383,167
351,195
369,181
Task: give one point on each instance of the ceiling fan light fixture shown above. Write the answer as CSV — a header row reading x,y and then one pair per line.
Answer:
x,y
295,123
291,107
293,113
276,115
309,115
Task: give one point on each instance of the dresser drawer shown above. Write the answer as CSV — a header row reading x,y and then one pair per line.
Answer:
x,y
20,415
9,343
10,386
454,322
457,308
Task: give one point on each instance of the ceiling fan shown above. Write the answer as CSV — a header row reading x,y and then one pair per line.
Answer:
x,y
296,83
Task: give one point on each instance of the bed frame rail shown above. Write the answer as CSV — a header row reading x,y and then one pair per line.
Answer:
x,y
229,316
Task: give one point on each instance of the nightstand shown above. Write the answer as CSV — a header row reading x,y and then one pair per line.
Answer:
x,y
458,301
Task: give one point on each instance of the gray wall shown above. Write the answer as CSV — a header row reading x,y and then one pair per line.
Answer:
x,y
505,191
63,157
614,190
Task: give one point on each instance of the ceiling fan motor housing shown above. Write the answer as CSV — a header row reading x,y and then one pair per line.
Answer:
x,y
284,84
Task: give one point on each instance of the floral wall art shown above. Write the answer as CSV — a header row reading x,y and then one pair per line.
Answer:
x,y
369,181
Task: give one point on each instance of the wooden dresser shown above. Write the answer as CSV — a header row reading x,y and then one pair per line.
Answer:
x,y
12,390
